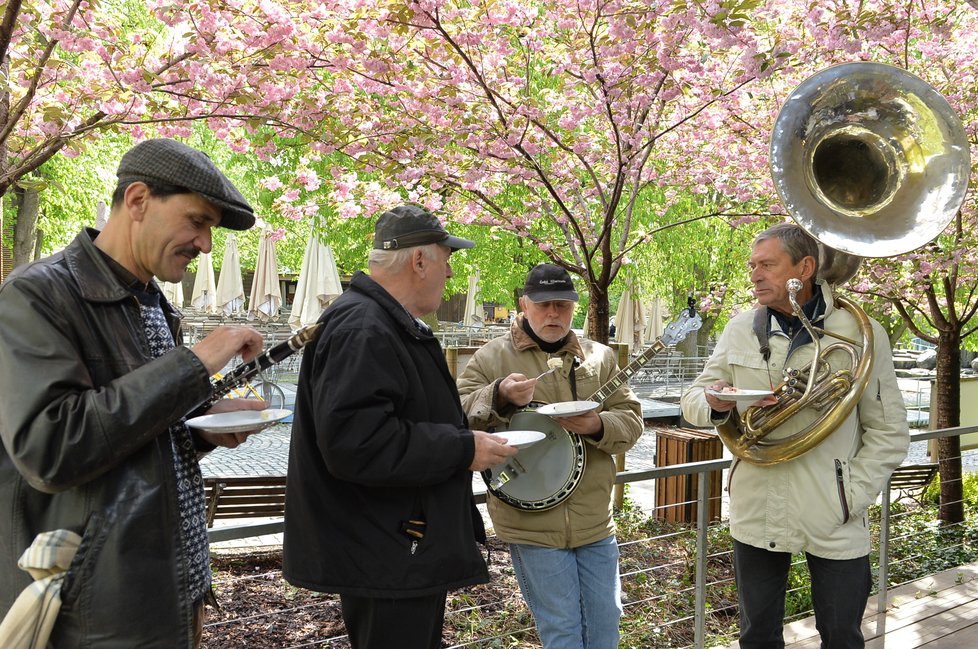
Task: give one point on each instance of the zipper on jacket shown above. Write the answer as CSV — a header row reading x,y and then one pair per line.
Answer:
x,y
840,481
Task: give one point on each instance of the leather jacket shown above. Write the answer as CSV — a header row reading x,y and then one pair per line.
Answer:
x,y
84,414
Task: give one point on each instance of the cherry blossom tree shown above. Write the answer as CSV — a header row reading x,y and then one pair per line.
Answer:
x,y
574,108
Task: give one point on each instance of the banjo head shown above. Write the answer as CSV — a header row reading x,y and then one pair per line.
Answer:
x,y
540,476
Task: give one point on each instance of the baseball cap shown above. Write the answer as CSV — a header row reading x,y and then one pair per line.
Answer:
x,y
547,282
169,162
409,225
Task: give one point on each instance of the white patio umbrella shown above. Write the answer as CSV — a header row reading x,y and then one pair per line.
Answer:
x,y
101,214
472,317
230,289
266,295
204,296
318,285
173,292
656,324
629,318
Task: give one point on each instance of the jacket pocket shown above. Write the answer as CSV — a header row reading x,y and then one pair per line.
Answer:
x,y
82,567
840,481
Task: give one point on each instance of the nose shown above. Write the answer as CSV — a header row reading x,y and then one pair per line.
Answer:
x,y
204,241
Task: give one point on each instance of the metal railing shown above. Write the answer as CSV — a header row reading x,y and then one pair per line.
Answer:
x,y
704,557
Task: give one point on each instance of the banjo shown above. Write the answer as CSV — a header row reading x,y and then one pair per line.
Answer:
x,y
544,474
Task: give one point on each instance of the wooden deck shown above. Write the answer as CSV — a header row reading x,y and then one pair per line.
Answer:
x,y
936,612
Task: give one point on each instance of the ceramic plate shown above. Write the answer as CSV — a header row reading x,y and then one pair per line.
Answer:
x,y
741,396
521,438
239,421
568,408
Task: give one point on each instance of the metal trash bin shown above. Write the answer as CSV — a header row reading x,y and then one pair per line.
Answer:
x,y
676,496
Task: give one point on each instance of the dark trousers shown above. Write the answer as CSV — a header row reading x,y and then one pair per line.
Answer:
x,y
382,623
840,589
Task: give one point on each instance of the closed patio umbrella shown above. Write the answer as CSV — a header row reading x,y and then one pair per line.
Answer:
x,y
204,296
266,296
472,316
173,292
230,289
629,318
655,325
318,285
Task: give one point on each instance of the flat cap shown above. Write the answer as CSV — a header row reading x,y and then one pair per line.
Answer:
x,y
169,162
409,225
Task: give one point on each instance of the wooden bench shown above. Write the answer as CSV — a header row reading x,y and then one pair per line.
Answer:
x,y
244,497
911,479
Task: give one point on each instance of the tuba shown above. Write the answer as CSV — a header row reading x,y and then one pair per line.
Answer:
x,y
872,162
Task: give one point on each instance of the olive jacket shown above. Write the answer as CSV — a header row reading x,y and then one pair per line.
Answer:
x,y
586,515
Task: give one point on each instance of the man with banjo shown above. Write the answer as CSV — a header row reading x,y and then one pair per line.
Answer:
x,y
566,551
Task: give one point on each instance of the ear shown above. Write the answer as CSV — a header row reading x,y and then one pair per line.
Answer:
x,y
807,268
419,261
136,200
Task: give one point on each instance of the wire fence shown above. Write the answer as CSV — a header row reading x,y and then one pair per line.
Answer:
x,y
676,574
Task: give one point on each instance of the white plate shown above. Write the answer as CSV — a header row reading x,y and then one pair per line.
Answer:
x,y
521,438
568,408
741,395
239,421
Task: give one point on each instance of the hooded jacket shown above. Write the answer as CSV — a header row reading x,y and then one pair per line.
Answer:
x,y
815,502
84,419
379,440
586,515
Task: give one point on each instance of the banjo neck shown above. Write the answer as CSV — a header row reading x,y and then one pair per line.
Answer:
x,y
625,373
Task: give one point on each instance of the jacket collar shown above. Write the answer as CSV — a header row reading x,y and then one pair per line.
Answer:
x,y
365,284
96,281
522,340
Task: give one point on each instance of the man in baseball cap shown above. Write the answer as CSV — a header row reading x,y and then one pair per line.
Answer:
x,y
409,225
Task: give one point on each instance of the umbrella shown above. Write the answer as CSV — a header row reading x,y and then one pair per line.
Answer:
x,y
472,317
204,296
173,292
630,319
230,290
655,326
266,296
318,285
101,214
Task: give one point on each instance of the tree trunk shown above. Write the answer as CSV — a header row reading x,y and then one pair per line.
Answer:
x,y
597,314
27,202
948,415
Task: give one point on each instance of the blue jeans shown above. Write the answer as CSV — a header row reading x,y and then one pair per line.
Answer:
x,y
840,589
552,579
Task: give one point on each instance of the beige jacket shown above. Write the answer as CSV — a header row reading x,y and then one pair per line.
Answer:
x,y
816,502
585,516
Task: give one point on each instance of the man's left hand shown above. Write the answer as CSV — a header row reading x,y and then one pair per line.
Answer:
x,y
231,440
587,424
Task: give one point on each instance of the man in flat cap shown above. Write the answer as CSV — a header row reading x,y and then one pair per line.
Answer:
x,y
93,393
379,501
565,554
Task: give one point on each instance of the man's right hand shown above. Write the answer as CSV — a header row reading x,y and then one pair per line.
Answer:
x,y
226,342
516,390
490,450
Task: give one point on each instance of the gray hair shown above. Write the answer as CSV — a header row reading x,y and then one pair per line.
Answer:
x,y
391,261
795,241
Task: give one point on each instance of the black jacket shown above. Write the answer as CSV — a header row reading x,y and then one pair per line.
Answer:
x,y
84,412
379,439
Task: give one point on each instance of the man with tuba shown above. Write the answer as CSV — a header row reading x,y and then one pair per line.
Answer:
x,y
813,500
